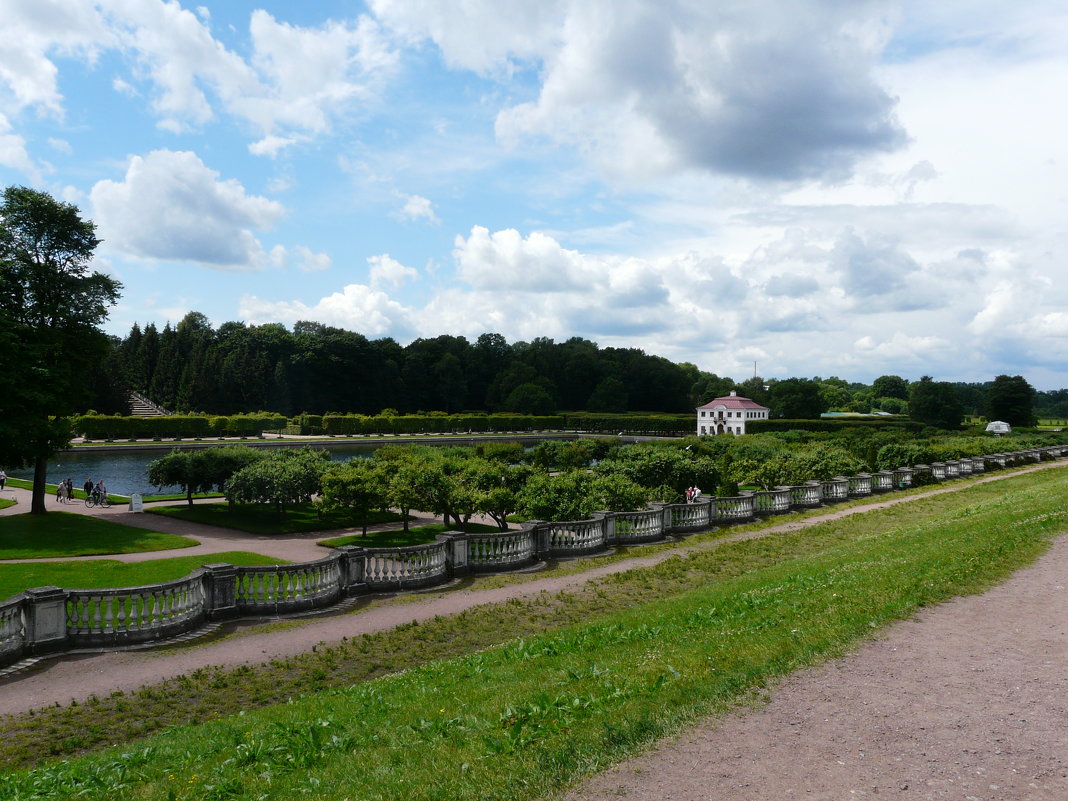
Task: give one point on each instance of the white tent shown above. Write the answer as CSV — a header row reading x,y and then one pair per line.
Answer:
x,y
998,427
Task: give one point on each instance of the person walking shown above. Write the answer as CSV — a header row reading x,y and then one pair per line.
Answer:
x,y
3,479
87,487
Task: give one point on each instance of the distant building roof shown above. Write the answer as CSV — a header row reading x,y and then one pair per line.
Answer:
x,y
733,401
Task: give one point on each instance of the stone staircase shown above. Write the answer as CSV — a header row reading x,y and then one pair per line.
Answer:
x,y
140,406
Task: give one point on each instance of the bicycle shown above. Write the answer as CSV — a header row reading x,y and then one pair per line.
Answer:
x,y
92,499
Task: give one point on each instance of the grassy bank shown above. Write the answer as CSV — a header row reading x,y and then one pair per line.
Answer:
x,y
256,518
580,679
67,534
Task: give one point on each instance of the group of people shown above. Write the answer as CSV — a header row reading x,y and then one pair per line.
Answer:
x,y
96,491
693,494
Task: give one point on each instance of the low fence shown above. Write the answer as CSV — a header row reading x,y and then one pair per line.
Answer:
x,y
50,620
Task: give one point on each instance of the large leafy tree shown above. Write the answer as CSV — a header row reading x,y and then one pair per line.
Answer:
x,y
935,403
796,399
51,305
1012,400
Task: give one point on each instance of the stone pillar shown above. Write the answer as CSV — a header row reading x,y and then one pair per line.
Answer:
x,y
608,526
456,552
541,537
353,569
220,591
46,620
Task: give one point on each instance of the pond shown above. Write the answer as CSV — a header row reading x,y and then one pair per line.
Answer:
x,y
126,472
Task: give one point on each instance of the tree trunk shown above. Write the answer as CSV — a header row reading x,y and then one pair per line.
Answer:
x,y
40,469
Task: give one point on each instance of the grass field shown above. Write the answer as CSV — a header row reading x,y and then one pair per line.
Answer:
x,y
415,535
576,681
67,534
263,519
96,573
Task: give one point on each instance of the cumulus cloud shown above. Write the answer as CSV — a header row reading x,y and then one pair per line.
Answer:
x,y
294,83
743,88
356,307
387,270
171,206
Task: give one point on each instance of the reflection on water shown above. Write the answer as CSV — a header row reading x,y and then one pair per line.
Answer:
x,y
126,472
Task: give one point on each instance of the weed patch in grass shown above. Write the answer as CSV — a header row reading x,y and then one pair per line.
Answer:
x,y
67,534
258,518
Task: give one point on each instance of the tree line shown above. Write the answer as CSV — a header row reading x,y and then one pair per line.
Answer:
x,y
319,369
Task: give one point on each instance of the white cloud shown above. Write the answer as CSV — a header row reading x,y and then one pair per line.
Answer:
x,y
417,208
309,261
387,270
13,150
645,87
171,206
294,83
356,307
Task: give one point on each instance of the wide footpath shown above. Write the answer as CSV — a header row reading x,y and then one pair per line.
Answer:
x,y
967,700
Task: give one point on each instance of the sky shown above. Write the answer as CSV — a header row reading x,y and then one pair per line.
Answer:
x,y
811,188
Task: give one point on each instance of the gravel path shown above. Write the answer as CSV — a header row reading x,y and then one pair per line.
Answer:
x,y
964,701
967,700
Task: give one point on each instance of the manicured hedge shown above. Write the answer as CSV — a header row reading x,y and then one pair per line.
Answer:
x,y
767,426
185,426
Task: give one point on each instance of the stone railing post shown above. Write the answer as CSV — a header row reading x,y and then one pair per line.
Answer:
x,y
353,569
540,531
608,526
456,552
220,591
46,620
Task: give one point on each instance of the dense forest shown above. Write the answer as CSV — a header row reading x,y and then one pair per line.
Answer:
x,y
316,368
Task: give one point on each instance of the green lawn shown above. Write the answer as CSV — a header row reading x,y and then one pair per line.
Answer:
x,y
577,682
67,534
416,535
262,519
6,502
96,573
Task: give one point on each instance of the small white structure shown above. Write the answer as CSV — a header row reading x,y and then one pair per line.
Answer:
x,y
728,415
998,427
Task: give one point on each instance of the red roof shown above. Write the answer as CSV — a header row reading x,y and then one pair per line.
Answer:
x,y
734,402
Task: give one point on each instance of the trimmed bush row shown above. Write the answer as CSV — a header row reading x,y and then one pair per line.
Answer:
x,y
245,425
768,426
178,425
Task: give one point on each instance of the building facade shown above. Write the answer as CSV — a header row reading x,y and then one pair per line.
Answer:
x,y
728,415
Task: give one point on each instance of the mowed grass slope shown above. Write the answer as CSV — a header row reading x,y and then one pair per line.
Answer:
x,y
57,534
626,660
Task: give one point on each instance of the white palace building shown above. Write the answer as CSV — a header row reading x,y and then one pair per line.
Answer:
x,y
728,415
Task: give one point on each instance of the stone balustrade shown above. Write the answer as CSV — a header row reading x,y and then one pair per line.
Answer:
x,y
50,620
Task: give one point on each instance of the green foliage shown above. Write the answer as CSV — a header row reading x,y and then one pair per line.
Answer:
x,y
51,307
935,403
359,485
281,478
201,470
796,398
1011,399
